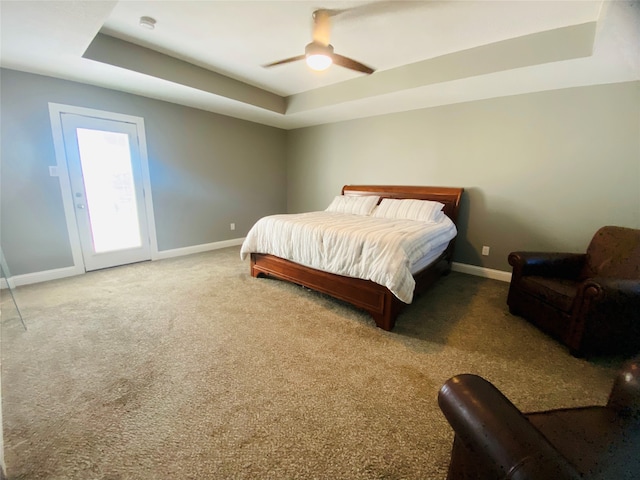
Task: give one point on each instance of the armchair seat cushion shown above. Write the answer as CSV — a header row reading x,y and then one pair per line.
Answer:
x,y
596,440
559,292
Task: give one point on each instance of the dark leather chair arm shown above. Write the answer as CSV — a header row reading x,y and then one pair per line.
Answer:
x,y
486,422
605,308
611,298
612,288
548,264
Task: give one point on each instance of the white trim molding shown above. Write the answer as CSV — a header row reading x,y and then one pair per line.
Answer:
x,y
205,247
47,275
481,271
37,277
44,276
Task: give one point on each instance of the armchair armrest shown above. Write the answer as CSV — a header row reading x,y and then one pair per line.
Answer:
x,y
612,288
486,422
557,264
605,315
613,298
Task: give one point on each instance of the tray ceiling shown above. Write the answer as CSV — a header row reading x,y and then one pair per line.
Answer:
x,y
209,54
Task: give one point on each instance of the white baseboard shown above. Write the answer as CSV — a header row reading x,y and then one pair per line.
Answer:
x,y
44,276
178,252
55,274
37,277
481,271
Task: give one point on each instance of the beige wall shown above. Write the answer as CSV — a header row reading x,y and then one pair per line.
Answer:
x,y
541,171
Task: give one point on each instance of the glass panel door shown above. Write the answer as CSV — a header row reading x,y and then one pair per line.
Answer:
x,y
105,174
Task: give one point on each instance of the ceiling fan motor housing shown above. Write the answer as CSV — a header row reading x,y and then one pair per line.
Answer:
x,y
314,48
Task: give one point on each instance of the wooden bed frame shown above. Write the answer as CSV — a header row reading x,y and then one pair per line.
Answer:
x,y
375,299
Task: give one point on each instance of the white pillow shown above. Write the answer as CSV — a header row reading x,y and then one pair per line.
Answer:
x,y
357,205
409,209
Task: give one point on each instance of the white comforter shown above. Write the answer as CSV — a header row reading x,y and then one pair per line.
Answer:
x,y
377,249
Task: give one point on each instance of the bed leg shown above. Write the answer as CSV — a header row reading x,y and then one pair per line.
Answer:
x,y
385,322
254,271
386,319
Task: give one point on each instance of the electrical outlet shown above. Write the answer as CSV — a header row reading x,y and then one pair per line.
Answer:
x,y
485,250
232,226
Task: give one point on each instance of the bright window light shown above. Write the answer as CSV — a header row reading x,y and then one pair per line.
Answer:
x,y
111,200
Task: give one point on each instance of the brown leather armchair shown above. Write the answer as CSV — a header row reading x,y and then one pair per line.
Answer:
x,y
494,440
588,301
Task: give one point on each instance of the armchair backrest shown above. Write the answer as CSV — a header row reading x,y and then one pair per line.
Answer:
x,y
613,252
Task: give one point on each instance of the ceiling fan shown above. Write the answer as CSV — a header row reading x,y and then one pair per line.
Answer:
x,y
319,54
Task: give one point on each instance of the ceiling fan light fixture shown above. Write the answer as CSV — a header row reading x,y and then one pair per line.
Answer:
x,y
319,62
318,57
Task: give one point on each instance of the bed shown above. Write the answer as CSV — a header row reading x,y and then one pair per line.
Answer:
x,y
375,298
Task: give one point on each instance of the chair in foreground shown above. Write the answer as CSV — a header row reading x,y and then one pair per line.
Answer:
x,y
588,301
494,440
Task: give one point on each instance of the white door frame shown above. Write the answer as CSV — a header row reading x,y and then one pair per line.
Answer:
x,y
61,171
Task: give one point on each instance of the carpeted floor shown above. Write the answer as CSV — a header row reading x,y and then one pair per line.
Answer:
x,y
189,368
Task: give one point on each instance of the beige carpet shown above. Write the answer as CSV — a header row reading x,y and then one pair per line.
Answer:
x,y
188,368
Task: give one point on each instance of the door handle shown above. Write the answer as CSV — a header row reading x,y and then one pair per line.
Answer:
x,y
79,205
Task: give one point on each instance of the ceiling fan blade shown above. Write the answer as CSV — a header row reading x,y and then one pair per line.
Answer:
x,y
380,7
286,60
321,27
351,64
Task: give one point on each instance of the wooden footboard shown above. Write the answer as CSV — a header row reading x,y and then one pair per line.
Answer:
x,y
373,298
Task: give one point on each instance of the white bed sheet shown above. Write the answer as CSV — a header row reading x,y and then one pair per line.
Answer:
x,y
428,259
382,250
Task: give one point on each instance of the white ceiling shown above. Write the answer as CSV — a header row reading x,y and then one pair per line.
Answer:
x,y
208,54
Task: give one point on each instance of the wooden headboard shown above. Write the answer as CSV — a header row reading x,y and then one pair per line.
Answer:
x,y
449,196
